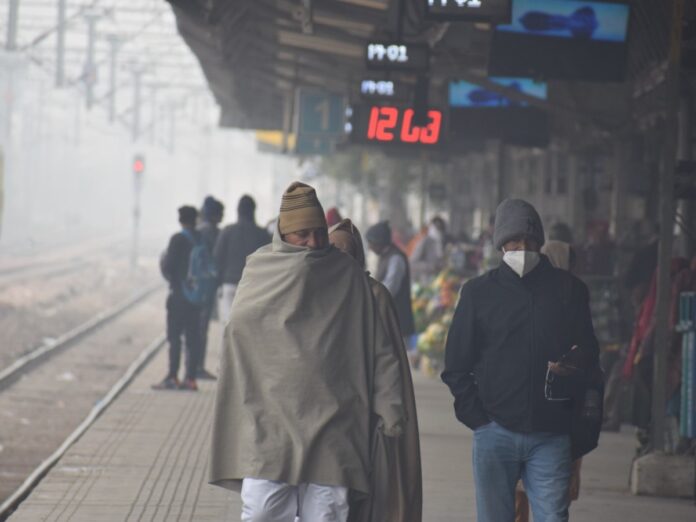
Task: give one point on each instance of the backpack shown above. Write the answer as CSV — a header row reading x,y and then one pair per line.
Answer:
x,y
201,283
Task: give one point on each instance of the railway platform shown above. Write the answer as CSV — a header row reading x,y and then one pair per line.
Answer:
x,y
146,459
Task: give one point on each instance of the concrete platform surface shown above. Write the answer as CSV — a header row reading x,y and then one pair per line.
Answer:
x,y
146,458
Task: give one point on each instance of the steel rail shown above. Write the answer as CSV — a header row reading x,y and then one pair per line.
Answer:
x,y
43,352
12,502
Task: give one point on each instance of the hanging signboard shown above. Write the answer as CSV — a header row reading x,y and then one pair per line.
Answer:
x,y
390,125
397,56
492,11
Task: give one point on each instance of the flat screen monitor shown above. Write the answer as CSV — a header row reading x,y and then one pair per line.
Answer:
x,y
470,95
562,39
479,114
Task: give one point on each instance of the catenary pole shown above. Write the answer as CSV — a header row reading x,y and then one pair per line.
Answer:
x,y
12,21
666,212
60,45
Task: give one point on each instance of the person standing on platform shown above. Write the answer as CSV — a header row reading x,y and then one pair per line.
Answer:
x,y
211,212
235,243
305,365
513,329
428,257
397,485
183,317
393,272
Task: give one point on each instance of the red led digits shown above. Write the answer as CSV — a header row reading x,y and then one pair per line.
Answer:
x,y
431,133
385,120
382,121
409,134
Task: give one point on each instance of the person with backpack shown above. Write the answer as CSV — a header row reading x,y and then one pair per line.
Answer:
x,y
184,301
521,360
209,230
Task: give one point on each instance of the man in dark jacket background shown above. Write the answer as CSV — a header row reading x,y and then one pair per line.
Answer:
x,y
510,323
235,243
183,317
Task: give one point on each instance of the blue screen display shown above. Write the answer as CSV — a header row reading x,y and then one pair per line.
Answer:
x,y
574,19
465,94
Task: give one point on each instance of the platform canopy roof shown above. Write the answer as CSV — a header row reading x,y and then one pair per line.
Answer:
x,y
254,53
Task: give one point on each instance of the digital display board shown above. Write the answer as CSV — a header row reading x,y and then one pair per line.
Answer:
x,y
391,125
387,56
562,39
466,94
397,91
492,11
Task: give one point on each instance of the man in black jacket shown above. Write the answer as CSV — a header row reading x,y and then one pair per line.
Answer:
x,y
234,244
509,325
183,317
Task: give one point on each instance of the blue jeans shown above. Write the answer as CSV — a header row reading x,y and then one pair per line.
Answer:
x,y
542,460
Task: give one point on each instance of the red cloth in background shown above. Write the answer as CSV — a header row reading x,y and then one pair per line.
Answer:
x,y
333,216
645,322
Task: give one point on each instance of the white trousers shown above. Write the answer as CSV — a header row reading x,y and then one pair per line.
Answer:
x,y
270,501
225,304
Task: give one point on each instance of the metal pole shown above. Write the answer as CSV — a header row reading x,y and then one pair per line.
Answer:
x,y
501,182
90,67
137,188
136,104
113,52
60,45
153,113
687,208
424,190
172,128
618,194
288,115
666,212
12,19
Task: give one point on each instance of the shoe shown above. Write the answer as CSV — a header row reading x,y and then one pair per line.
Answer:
x,y
205,375
169,383
188,385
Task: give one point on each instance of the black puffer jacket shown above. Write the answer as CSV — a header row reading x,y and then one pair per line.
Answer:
x,y
504,332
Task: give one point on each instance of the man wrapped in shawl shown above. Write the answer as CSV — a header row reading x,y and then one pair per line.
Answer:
x,y
305,367
396,480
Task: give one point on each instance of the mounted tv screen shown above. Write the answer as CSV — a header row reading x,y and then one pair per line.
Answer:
x,y
470,95
562,39
478,114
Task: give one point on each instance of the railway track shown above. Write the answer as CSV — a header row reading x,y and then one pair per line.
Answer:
x,y
10,504
56,265
123,337
45,350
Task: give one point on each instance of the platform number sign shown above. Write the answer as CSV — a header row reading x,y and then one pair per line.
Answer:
x,y
387,56
320,113
395,125
493,11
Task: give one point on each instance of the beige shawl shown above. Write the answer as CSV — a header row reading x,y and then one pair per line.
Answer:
x,y
397,493
304,366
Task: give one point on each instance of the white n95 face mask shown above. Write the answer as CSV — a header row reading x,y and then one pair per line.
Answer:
x,y
521,261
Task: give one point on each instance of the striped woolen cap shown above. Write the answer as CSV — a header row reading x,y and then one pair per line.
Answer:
x,y
300,209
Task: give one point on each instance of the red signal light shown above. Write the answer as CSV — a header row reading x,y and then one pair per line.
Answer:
x,y
138,165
